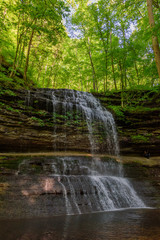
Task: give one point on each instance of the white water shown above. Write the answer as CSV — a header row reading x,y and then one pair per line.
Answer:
x,y
95,184
85,192
93,113
96,190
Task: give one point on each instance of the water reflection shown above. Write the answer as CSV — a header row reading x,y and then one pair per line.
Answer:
x,y
139,224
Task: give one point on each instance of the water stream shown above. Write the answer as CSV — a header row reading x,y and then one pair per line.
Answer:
x,y
92,111
96,185
75,195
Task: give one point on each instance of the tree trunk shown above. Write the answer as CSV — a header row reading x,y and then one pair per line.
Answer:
x,y
135,64
155,43
39,72
112,62
79,69
122,85
22,53
124,59
92,65
19,37
105,48
27,59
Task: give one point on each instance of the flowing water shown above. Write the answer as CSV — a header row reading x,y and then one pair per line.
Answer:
x,y
88,186
98,189
92,111
92,186
94,199
71,104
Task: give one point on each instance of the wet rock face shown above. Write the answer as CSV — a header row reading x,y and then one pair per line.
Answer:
x,y
40,186
48,119
138,123
27,123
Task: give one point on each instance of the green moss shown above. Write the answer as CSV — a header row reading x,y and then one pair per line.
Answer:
x,y
133,109
9,108
42,112
10,163
118,111
38,120
139,138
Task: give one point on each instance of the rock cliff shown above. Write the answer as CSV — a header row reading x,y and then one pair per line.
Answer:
x,y
27,124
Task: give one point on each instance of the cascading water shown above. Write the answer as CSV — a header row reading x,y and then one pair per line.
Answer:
x,y
93,113
91,188
98,184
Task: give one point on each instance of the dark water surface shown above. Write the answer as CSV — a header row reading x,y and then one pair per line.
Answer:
x,y
126,224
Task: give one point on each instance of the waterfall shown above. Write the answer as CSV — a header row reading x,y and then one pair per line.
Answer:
x,y
93,113
95,184
92,188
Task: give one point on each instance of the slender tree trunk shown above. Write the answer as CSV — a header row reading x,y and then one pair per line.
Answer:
x,y
155,43
54,80
122,85
19,36
79,69
112,62
28,53
92,65
49,79
124,59
125,74
22,53
105,48
15,59
19,55
39,71
135,64
45,75
87,43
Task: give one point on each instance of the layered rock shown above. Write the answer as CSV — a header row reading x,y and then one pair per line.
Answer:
x,y
138,123
28,124
46,119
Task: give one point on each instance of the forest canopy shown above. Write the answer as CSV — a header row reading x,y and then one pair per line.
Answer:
x,y
94,46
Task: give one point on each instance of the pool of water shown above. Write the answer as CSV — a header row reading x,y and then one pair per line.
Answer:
x,y
132,224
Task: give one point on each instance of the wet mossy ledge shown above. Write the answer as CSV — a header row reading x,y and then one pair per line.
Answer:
x,y
138,121
32,128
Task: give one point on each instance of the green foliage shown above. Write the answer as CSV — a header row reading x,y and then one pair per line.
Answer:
x,y
8,92
38,120
118,111
42,112
139,138
102,46
139,109
9,108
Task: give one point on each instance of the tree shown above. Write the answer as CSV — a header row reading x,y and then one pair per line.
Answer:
x,y
33,19
155,42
